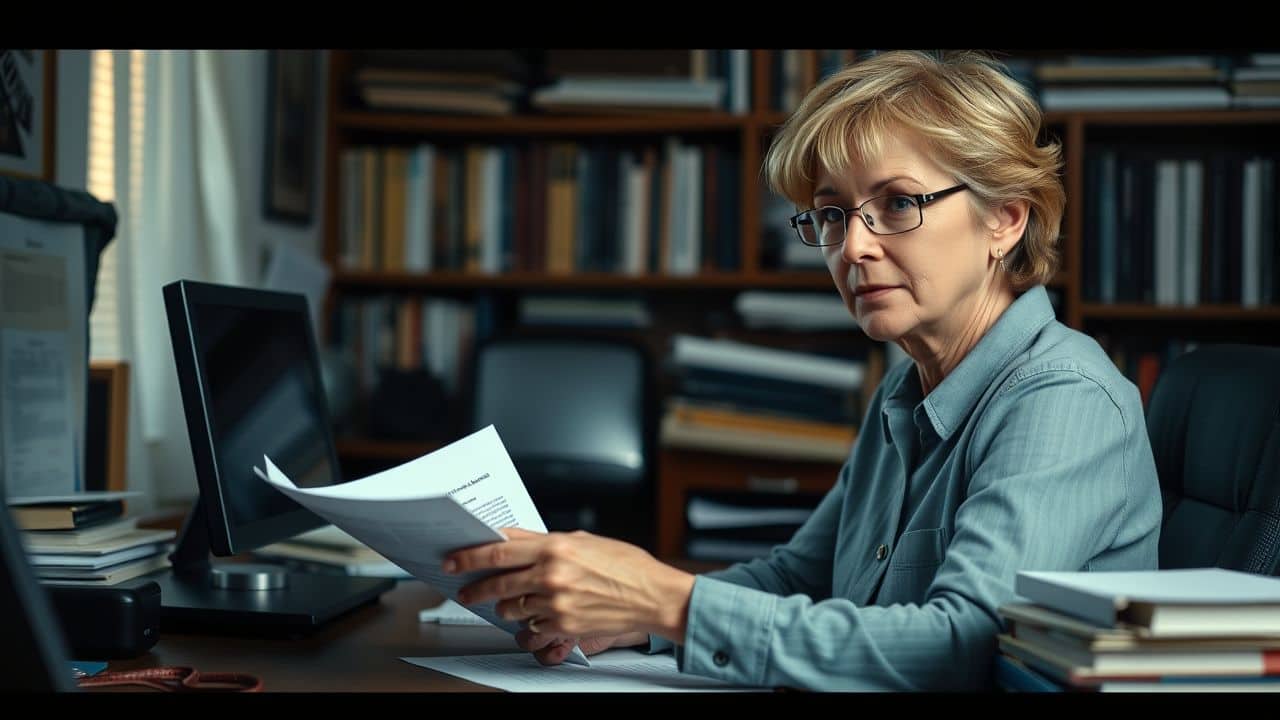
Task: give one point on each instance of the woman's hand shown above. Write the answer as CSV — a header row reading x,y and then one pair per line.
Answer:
x,y
550,650
576,585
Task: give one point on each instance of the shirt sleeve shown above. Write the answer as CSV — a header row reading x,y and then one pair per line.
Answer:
x,y
1048,487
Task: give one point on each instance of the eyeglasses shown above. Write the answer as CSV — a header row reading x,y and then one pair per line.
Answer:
x,y
883,215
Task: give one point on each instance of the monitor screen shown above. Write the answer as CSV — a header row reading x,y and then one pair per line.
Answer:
x,y
251,386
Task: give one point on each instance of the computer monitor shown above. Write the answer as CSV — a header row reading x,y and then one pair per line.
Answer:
x,y
249,375
34,657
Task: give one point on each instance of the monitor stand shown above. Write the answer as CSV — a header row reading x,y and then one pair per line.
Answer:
x,y
199,595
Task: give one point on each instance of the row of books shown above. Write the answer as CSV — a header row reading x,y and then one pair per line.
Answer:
x,y
1179,230
89,542
558,207
734,527
407,333
1192,630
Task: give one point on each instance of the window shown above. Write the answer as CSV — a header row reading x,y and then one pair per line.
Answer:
x,y
114,175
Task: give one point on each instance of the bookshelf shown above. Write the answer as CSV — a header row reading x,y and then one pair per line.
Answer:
x,y
684,301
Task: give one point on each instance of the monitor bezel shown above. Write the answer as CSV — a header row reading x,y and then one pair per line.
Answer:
x,y
180,298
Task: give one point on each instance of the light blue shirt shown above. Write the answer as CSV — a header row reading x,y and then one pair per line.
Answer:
x,y
1031,455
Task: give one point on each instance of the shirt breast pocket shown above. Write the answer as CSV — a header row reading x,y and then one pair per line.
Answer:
x,y
912,566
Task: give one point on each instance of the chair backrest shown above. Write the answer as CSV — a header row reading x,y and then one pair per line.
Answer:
x,y
574,414
1214,422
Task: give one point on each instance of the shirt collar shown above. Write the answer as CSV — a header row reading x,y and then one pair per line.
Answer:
x,y
951,402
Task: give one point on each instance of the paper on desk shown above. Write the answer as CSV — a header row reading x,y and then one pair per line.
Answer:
x,y
619,670
416,513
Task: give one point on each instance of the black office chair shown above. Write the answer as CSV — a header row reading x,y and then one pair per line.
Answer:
x,y
1214,422
575,415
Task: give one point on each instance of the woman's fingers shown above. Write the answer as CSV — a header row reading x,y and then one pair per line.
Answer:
x,y
503,586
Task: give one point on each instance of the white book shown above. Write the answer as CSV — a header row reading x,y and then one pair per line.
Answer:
x,y
748,359
740,61
494,197
417,513
103,576
50,546
1133,98
797,311
1167,240
1250,235
66,559
1201,602
704,514
689,260
722,549
1192,201
419,206
676,202
1255,73
635,233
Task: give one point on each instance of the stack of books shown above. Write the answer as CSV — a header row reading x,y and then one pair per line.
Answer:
x,y
476,81
741,398
731,528
1195,630
90,542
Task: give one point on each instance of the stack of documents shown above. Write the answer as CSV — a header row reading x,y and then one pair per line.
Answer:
x,y
1197,630
103,554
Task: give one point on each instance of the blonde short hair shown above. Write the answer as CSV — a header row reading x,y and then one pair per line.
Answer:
x,y
980,125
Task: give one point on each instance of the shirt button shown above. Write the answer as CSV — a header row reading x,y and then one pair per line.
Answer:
x,y
882,552
721,658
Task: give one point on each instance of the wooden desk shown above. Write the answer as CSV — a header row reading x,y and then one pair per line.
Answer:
x,y
359,652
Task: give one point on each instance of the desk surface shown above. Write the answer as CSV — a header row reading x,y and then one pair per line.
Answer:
x,y
359,652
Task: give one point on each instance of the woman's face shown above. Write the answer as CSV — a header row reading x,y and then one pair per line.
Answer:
x,y
913,282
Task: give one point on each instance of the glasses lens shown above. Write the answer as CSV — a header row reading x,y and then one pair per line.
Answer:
x,y
821,226
892,214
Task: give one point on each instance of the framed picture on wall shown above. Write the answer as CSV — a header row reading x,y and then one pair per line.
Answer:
x,y
26,113
293,113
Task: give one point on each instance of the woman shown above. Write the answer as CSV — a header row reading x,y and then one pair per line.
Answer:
x,y
1010,442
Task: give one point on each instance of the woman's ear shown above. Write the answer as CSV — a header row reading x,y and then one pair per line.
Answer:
x,y
1007,224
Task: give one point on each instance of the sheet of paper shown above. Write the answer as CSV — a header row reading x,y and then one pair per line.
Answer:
x,y
43,355
416,513
619,670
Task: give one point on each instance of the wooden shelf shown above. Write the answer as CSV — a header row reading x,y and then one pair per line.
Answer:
x,y
377,280
1164,117
1135,311
364,449
1123,117
657,122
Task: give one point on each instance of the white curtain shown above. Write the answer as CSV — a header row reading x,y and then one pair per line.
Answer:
x,y
198,144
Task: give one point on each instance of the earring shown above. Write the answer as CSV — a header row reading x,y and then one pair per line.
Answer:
x,y
1000,257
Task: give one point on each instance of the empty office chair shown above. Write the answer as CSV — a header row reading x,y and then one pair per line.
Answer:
x,y
574,414
1214,422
